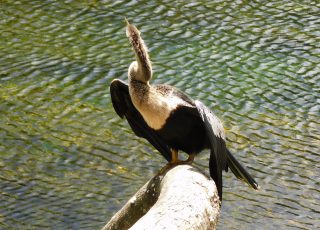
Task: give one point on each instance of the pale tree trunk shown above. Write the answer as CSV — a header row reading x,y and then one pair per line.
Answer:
x,y
179,197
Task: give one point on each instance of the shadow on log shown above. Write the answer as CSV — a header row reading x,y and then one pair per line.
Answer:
x,y
178,197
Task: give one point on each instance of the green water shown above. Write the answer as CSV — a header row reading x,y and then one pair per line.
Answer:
x,y
68,162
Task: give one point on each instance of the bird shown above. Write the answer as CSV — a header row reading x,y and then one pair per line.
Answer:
x,y
169,119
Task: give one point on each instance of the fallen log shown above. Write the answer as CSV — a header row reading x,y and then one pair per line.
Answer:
x,y
178,197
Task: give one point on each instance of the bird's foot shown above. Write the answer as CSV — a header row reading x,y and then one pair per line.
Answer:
x,y
190,159
176,161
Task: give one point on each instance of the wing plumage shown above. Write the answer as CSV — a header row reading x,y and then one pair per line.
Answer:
x,y
215,134
220,157
124,107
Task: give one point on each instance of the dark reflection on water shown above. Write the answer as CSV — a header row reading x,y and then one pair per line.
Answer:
x,y
65,157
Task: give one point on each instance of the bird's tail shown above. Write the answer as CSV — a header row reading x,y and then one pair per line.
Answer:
x,y
239,171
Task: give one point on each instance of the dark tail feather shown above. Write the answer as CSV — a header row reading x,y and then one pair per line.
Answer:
x,y
239,171
216,172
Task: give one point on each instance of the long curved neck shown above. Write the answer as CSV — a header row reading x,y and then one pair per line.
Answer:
x,y
141,69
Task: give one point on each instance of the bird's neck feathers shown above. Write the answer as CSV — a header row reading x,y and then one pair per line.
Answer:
x,y
136,73
141,69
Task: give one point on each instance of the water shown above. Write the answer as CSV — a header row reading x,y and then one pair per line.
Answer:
x,y
68,162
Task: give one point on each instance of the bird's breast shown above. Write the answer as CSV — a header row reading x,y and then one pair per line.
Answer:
x,y
155,107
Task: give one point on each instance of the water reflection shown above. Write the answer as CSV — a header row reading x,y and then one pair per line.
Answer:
x,y
66,159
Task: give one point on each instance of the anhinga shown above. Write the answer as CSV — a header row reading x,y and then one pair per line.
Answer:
x,y
169,119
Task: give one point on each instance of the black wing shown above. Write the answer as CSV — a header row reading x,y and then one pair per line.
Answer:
x,y
123,106
220,157
215,134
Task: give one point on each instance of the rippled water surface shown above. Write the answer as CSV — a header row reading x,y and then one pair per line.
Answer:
x,y
68,162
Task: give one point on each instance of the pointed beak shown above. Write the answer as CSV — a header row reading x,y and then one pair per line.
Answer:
x,y
126,21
